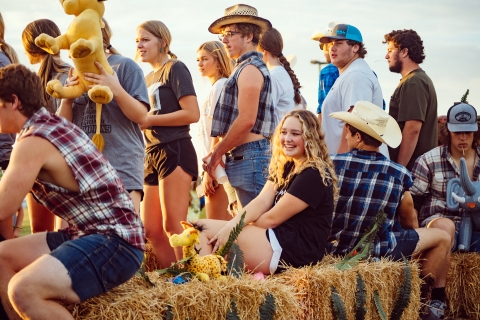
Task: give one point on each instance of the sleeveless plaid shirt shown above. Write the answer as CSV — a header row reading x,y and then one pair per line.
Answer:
x,y
103,205
226,110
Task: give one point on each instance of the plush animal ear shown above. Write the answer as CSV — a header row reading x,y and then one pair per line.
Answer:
x,y
186,225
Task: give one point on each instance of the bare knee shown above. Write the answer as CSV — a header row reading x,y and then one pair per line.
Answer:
x,y
21,293
444,224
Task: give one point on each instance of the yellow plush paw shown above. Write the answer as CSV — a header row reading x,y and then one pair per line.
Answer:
x,y
47,43
203,277
53,88
81,48
100,94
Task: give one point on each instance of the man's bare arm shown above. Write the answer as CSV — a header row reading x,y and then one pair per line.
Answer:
x,y
250,83
406,213
26,160
410,134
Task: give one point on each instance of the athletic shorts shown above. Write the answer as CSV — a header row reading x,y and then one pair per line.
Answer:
x,y
164,158
96,263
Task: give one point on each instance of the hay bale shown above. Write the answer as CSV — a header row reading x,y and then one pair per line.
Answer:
x,y
192,300
312,285
302,293
463,286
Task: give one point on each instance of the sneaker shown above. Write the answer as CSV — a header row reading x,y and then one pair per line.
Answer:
x,y
433,310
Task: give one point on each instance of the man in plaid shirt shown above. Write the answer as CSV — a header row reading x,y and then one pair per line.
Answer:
x,y
104,243
370,183
244,115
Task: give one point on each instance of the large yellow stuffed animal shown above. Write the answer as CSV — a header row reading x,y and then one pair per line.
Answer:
x,y
84,40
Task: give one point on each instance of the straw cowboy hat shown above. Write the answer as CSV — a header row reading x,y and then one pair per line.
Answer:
x,y
374,121
240,13
317,34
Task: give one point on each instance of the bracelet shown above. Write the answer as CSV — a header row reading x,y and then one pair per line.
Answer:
x,y
15,227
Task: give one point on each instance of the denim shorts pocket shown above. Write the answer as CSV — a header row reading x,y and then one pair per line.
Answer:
x,y
120,267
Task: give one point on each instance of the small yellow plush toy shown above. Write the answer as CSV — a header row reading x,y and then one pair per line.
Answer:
x,y
84,40
203,267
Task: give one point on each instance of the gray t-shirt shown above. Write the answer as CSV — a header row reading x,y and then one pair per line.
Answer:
x,y
124,146
4,61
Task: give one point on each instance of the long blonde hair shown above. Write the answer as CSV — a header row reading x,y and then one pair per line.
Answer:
x,y
160,30
218,52
5,47
316,153
107,36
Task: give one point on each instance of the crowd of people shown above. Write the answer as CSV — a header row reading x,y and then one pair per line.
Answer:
x,y
310,184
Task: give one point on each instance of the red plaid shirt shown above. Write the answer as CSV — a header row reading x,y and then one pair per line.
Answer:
x,y
102,205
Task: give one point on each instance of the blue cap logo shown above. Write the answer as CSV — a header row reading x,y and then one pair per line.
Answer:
x,y
463,116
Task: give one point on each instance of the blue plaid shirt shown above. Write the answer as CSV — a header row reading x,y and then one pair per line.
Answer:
x,y
226,110
328,75
368,183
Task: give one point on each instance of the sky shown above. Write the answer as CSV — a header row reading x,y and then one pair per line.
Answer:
x,y
450,30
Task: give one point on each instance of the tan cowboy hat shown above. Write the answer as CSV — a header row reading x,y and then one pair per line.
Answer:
x,y
317,35
240,13
292,59
374,121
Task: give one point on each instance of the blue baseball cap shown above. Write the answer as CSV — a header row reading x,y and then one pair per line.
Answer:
x,y
343,32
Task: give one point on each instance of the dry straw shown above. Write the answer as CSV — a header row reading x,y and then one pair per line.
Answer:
x,y
302,293
463,286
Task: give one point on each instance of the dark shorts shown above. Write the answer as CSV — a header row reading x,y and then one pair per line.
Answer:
x,y
406,243
139,190
164,158
96,263
4,164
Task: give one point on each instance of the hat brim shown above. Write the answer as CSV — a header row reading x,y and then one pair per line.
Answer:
x,y
392,136
460,127
217,25
327,39
317,35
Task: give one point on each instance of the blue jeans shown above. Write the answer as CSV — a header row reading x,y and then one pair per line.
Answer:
x,y
247,169
96,263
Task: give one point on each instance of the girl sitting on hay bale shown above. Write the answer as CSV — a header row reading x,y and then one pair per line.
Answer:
x,y
290,219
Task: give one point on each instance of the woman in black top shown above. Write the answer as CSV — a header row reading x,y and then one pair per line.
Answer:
x,y
291,218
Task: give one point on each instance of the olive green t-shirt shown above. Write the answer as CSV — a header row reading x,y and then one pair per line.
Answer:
x,y
415,99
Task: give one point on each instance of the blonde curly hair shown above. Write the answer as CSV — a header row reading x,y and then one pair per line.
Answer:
x,y
316,153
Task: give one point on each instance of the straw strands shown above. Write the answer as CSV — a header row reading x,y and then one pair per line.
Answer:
x,y
302,293
463,286
313,287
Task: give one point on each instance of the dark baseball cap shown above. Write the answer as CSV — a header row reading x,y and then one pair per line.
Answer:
x,y
462,117
343,32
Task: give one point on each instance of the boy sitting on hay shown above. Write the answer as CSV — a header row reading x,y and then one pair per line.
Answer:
x,y
370,183
54,159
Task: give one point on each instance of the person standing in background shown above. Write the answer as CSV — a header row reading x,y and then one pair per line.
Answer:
x,y
213,63
51,67
414,101
7,56
329,73
171,162
285,86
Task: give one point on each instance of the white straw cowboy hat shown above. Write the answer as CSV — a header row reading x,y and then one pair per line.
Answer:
x,y
328,32
240,13
374,121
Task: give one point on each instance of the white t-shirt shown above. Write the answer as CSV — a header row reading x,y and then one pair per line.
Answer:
x,y
206,114
282,92
357,83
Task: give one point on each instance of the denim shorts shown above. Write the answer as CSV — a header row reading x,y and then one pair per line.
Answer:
x,y
96,263
406,244
247,169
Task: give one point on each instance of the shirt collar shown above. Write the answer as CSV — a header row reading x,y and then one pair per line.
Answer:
x,y
248,55
42,111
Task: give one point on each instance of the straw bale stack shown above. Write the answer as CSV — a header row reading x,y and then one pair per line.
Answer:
x,y
192,300
463,286
299,293
312,285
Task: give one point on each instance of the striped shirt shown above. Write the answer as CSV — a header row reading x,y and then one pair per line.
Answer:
x,y
431,174
102,205
226,110
368,183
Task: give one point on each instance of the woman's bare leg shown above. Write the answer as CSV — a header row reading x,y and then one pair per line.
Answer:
x,y
41,219
216,205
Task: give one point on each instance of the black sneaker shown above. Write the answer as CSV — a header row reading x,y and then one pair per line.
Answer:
x,y
433,310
